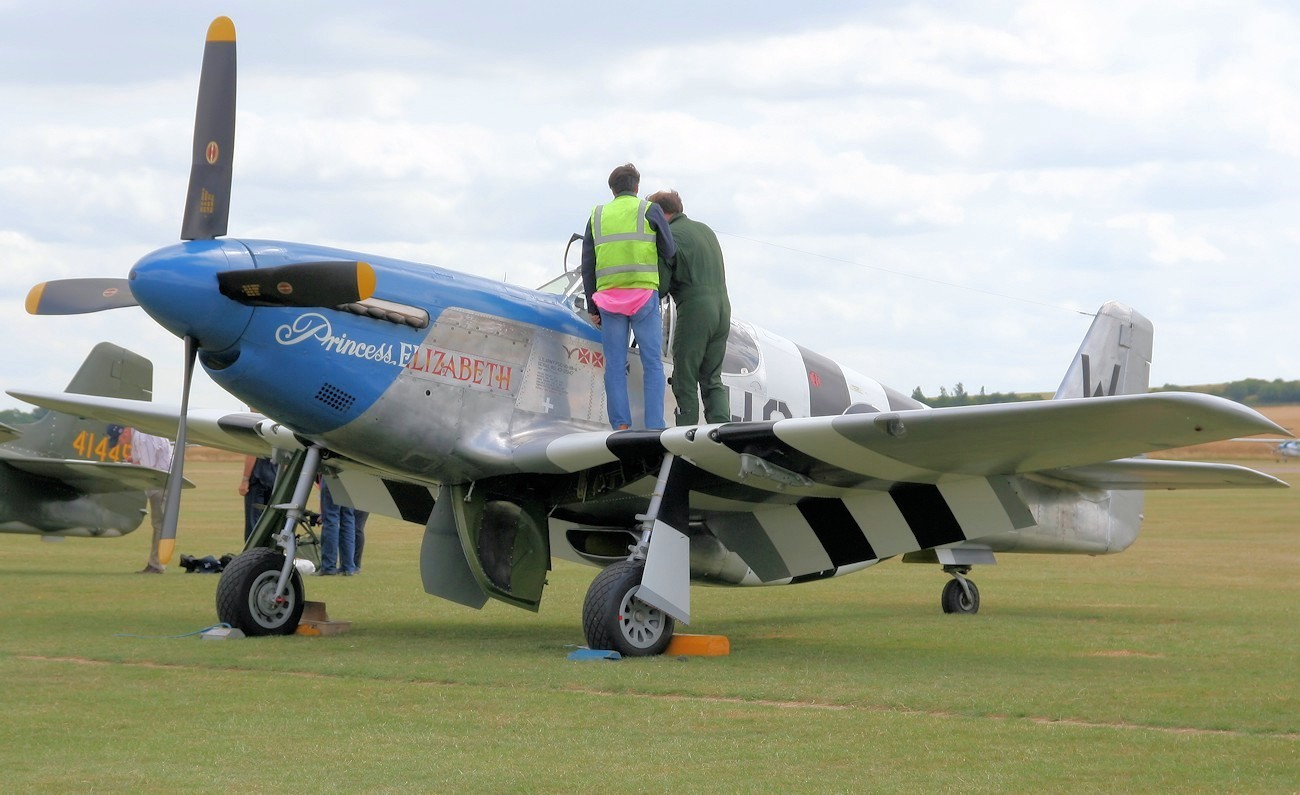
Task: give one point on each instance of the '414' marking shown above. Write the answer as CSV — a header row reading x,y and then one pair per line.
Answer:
x,y
93,447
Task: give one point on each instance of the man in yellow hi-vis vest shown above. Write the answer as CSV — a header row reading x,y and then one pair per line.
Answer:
x,y
620,274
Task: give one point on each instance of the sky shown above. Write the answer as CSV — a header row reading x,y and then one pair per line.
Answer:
x,y
931,193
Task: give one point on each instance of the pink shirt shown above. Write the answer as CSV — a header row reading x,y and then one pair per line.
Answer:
x,y
622,300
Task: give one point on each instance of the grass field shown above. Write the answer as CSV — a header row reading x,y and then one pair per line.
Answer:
x,y
1172,667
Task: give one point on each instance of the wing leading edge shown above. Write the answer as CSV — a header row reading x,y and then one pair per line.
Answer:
x,y
818,456
233,431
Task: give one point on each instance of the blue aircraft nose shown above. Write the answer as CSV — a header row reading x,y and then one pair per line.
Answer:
x,y
177,286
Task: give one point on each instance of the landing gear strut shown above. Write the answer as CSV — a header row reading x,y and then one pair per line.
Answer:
x,y
622,615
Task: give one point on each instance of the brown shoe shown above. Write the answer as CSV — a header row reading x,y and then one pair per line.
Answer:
x,y
150,570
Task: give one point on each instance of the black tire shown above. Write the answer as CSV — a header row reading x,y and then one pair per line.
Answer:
x,y
955,600
613,619
246,591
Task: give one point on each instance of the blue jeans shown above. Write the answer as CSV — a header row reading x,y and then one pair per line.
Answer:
x,y
255,502
338,535
648,329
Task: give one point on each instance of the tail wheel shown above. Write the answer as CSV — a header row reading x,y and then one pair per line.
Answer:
x,y
956,600
246,594
613,618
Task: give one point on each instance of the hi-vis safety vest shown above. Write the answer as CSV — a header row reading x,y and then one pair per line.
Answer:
x,y
626,250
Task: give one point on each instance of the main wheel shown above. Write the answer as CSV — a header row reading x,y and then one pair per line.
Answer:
x,y
955,599
246,594
613,618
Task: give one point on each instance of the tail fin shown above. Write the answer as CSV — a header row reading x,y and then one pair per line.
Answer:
x,y
1115,357
109,371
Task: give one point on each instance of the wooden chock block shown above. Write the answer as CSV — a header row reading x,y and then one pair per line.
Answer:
x,y
315,621
323,627
314,611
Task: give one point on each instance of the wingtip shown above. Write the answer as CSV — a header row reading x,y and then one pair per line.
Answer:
x,y
221,29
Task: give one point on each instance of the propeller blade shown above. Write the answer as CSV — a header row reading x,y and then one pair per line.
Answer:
x,y
300,284
207,204
176,478
79,296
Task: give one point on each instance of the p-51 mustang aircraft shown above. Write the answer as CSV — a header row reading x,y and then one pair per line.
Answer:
x,y
64,476
476,409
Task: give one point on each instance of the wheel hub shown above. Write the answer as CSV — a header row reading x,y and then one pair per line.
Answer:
x,y
270,610
640,623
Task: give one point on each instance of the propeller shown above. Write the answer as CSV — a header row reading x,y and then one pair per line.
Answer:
x,y
207,203
207,213
300,284
79,296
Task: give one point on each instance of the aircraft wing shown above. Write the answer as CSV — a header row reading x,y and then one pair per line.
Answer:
x,y
94,477
233,431
811,455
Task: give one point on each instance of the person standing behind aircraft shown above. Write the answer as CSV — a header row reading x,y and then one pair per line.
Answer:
x,y
621,249
338,538
256,488
155,452
697,281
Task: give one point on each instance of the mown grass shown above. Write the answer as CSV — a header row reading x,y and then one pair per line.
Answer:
x,y
1173,666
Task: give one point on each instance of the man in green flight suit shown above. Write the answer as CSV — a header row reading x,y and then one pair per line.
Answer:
x,y
697,281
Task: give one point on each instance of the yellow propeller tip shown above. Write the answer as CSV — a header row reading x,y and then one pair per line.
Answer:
x,y
221,29
166,547
34,299
365,280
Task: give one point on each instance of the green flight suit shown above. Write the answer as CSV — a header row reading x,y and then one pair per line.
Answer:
x,y
697,281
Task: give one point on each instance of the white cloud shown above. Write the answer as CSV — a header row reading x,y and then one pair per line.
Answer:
x,y
1169,246
932,186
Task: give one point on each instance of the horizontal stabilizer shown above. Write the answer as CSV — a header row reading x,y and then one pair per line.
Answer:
x,y
8,433
95,477
1146,474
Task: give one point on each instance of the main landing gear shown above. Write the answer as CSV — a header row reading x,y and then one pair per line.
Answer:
x,y
627,610
261,591
960,594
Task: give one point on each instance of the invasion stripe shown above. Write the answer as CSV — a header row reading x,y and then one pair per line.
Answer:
x,y
884,524
828,392
794,539
743,534
838,531
927,514
414,502
635,446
